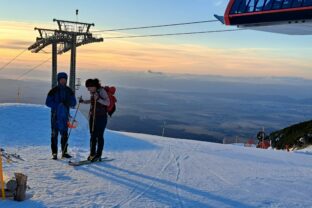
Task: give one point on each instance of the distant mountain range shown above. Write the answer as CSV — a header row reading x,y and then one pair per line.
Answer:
x,y
203,108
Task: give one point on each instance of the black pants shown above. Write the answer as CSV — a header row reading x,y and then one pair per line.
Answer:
x,y
54,136
97,136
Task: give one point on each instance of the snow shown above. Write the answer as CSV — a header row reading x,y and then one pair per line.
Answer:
x,y
307,150
149,171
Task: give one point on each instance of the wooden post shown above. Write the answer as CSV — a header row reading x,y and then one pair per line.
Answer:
x,y
21,180
1,177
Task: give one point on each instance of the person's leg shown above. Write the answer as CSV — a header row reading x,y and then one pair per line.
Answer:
x,y
54,134
101,121
64,143
54,142
92,138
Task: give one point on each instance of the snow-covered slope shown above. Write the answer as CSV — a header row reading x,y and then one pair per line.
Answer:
x,y
149,171
307,150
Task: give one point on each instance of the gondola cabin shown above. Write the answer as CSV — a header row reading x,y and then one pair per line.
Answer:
x,y
293,17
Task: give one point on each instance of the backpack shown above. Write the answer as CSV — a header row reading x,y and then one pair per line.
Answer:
x,y
111,95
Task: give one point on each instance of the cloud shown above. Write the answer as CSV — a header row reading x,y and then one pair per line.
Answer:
x,y
188,58
147,54
154,72
14,44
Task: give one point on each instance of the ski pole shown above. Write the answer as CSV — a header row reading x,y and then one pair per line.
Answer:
x,y
1,177
74,117
72,124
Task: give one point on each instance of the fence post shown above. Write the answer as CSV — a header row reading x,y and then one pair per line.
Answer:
x,y
1,177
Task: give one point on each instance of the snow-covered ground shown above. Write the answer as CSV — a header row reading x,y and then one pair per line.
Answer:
x,y
307,150
149,171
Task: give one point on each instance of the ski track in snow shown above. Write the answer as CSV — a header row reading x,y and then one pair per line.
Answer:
x,y
149,171
114,190
177,162
131,194
149,186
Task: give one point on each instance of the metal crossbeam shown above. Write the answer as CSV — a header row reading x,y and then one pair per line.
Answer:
x,y
65,25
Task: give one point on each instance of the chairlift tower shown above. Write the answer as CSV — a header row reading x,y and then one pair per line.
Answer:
x,y
68,36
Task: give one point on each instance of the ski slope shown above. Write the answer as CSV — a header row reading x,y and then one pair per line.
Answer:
x,y
149,171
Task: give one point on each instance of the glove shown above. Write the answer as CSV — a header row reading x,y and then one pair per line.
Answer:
x,y
96,96
81,100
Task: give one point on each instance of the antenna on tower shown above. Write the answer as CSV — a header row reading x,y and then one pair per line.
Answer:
x,y
77,13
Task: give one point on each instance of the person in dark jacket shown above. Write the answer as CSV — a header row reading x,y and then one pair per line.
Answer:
x,y
99,101
60,99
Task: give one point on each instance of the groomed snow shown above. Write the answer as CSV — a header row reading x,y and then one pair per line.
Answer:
x,y
149,171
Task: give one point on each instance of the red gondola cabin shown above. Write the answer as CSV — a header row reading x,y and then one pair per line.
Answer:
x,y
292,17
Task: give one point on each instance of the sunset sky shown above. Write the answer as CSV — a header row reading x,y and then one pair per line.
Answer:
x,y
243,53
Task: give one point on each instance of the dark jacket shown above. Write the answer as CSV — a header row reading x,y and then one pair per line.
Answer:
x,y
61,95
60,99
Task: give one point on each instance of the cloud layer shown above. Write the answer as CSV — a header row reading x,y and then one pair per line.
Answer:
x,y
148,54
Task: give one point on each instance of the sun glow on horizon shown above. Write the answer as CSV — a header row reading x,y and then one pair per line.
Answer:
x,y
148,54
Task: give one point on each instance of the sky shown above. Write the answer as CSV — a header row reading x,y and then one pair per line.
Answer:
x,y
242,53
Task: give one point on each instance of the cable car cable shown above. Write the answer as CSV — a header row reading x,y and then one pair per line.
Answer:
x,y
33,68
156,26
13,59
173,34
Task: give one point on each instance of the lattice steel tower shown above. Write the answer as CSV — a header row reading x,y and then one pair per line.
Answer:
x,y
68,36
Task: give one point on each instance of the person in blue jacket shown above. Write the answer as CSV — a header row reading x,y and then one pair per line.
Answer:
x,y
60,99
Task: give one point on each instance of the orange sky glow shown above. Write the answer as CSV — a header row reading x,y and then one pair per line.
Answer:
x,y
148,54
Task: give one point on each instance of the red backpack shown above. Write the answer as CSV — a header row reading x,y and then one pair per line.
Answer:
x,y
111,95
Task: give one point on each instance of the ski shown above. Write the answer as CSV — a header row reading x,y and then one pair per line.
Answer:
x,y
7,156
10,156
16,156
87,162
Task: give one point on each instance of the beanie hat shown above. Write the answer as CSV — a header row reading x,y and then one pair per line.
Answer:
x,y
61,75
93,83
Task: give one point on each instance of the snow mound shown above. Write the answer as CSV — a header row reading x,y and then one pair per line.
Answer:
x,y
30,125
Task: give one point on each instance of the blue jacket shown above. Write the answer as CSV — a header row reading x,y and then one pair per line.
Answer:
x,y
60,99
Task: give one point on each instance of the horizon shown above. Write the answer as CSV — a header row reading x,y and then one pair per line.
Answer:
x,y
153,75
